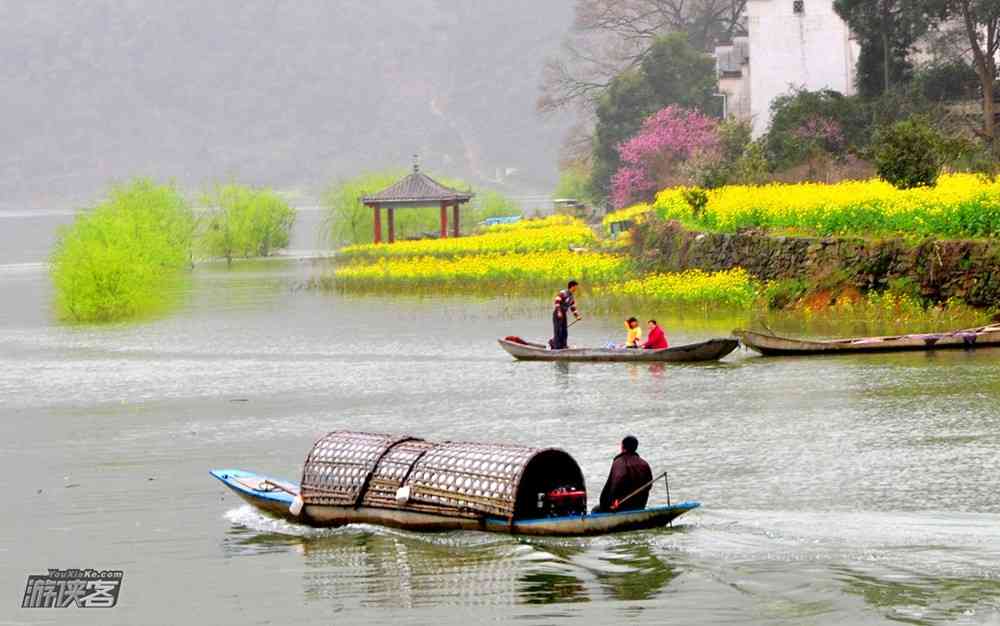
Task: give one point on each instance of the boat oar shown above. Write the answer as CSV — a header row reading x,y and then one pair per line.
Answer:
x,y
579,319
666,481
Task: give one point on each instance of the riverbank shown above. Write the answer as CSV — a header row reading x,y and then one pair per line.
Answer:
x,y
661,265
817,271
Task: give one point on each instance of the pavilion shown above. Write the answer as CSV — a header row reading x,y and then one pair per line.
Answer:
x,y
416,190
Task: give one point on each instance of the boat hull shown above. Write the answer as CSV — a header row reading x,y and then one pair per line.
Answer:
x,y
711,350
772,345
278,503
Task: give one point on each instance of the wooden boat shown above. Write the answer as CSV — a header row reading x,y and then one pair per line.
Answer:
x,y
773,345
711,350
409,483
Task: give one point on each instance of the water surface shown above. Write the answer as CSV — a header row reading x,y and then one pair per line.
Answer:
x,y
857,489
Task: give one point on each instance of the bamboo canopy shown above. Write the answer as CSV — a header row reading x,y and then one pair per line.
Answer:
x,y
461,479
416,190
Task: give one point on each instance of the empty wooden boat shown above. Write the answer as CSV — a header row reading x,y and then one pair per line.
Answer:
x,y
773,345
409,483
711,350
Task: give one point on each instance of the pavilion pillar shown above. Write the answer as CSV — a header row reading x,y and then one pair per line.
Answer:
x,y
455,226
378,223
391,214
444,219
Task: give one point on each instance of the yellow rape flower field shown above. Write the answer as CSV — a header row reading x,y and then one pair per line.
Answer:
x,y
635,213
734,288
961,205
531,269
554,233
530,257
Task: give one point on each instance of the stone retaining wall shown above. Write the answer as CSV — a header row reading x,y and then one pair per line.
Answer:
x,y
943,269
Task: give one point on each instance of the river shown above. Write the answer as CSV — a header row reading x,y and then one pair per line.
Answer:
x,y
844,490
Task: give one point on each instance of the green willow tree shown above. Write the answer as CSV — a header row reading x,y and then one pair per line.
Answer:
x,y
245,222
121,259
672,72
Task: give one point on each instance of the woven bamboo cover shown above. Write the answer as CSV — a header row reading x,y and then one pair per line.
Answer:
x,y
475,476
338,467
464,479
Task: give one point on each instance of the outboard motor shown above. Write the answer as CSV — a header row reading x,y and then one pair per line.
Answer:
x,y
562,501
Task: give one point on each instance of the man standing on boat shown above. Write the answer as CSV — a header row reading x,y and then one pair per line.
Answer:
x,y
564,304
629,472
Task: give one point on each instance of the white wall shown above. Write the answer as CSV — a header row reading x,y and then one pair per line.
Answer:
x,y
811,50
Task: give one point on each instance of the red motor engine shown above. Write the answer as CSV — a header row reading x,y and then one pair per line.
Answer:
x,y
562,501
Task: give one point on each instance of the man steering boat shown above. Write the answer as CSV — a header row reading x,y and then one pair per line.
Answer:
x,y
565,303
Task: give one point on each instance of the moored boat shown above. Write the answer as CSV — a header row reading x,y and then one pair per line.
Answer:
x,y
409,483
774,345
711,350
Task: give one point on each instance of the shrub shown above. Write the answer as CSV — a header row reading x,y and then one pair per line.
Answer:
x,y
909,154
808,124
697,199
244,222
118,260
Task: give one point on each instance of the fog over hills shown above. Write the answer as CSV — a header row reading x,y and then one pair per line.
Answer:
x,y
286,94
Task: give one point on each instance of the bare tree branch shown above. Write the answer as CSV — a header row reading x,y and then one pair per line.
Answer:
x,y
611,36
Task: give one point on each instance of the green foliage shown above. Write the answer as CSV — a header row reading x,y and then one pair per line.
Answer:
x,y
245,222
697,199
739,159
490,203
116,261
672,72
807,123
574,182
349,221
781,294
751,168
910,154
949,81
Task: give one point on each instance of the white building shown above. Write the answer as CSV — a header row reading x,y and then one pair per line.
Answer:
x,y
792,44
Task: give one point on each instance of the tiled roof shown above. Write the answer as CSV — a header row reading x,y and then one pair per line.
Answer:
x,y
417,187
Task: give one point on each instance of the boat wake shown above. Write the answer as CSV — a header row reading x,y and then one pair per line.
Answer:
x,y
251,519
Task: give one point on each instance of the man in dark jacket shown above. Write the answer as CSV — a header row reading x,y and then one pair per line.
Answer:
x,y
628,472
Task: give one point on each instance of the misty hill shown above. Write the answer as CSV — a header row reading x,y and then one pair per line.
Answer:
x,y
276,93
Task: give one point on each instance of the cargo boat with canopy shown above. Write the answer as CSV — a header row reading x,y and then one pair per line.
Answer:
x,y
406,482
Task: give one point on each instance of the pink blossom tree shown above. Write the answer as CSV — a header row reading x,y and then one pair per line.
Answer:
x,y
656,156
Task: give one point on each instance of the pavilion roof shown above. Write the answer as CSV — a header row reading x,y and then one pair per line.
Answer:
x,y
417,188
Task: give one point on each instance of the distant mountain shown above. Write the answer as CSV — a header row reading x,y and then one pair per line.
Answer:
x,y
277,93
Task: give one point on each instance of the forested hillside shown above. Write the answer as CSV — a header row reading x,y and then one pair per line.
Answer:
x,y
288,94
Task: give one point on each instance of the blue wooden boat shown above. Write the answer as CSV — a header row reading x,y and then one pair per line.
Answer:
x,y
408,483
